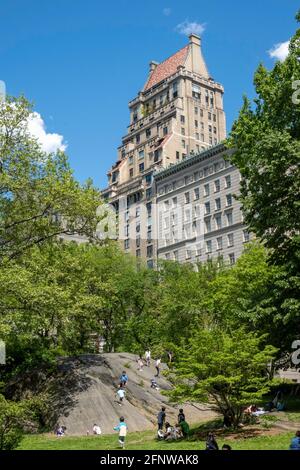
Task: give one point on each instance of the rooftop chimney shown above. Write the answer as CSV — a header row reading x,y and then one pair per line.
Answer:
x,y
194,39
153,65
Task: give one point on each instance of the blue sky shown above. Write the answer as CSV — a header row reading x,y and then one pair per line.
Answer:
x,y
81,61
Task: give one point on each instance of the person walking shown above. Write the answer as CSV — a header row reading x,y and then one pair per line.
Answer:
x,y
123,379
148,357
121,395
157,367
122,428
140,364
161,417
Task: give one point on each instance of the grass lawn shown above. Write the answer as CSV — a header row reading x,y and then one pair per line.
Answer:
x,y
146,441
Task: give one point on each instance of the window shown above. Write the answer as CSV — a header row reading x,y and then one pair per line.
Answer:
x,y
148,179
130,159
196,91
138,227
182,119
188,254
209,116
138,253
196,123
141,167
126,230
156,155
208,246
227,181
150,263
207,208
207,223
206,189
131,172
187,231
149,251
209,128
182,131
215,141
230,239
138,242
126,244
201,112
174,219
219,243
187,215
202,137
218,222
197,211
165,130
218,204
246,236
210,141
166,206
228,200
137,138
175,89
167,223
177,155
141,154
231,258
196,110
174,201
161,100
148,193
215,130
217,186
214,118
197,136
229,218
175,255
196,175
137,211
183,144
198,148
149,234
202,125
187,198
148,132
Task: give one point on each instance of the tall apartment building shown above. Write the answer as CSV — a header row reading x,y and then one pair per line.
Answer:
x,y
198,217
179,112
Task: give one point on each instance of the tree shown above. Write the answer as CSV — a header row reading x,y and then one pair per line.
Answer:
x,y
39,197
13,418
266,139
228,369
267,152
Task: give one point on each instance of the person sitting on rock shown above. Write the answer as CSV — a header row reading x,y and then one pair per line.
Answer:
x,y
96,429
154,384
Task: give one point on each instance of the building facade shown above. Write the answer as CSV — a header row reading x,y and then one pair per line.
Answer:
x,y
178,112
198,216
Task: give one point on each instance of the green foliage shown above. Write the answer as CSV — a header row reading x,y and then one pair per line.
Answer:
x,y
39,197
228,369
13,418
266,139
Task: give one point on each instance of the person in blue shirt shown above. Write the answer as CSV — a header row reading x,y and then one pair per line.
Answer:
x,y
295,444
122,428
123,379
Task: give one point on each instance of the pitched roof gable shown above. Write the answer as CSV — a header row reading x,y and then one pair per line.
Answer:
x,y
167,68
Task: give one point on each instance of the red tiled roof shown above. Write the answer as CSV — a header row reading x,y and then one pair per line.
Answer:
x,y
167,67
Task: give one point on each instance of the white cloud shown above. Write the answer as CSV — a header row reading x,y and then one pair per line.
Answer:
x,y
167,11
50,143
280,51
189,27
